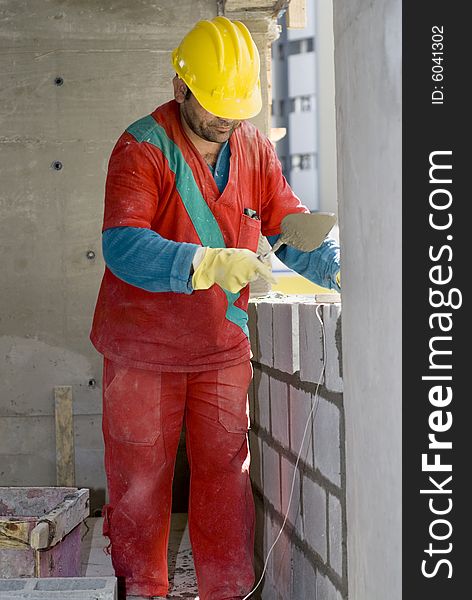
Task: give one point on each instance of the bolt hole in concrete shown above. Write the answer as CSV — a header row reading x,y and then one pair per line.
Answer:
x,y
57,165
90,254
92,383
59,81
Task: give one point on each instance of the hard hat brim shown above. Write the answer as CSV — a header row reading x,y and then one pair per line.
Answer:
x,y
230,108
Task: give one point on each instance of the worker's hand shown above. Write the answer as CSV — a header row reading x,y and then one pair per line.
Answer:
x,y
230,268
338,278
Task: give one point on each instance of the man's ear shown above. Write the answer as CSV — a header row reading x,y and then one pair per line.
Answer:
x,y
180,89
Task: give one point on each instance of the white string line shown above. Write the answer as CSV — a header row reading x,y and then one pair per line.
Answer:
x,y
308,421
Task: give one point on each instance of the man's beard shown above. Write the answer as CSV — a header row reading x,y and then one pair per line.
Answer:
x,y
209,131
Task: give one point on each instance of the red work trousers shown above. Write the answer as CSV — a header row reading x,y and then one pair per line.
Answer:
x,y
143,412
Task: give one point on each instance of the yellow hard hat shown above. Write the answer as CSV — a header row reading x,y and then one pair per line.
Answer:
x,y
219,62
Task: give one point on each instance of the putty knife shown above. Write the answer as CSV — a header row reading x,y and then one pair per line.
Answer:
x,y
304,231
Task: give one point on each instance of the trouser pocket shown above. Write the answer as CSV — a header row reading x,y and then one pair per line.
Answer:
x,y
132,405
233,406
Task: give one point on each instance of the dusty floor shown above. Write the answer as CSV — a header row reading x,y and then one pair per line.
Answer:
x,y
95,562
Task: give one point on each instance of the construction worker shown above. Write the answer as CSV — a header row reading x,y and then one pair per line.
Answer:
x,y
189,190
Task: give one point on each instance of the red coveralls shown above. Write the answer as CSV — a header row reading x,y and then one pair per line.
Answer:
x,y
170,356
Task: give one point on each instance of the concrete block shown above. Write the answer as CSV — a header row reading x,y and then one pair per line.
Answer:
x,y
303,577
282,564
271,475
251,399
252,325
301,403
269,591
277,580
279,411
310,343
325,589
314,517
285,336
255,448
287,472
14,585
335,526
261,399
332,324
327,440
260,528
264,333
269,538
59,588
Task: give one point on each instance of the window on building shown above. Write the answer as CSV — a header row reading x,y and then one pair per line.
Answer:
x,y
301,104
295,161
277,108
307,45
306,103
301,46
302,162
305,162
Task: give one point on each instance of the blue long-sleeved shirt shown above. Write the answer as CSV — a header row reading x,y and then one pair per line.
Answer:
x,y
143,258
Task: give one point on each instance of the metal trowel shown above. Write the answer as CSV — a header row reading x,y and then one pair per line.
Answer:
x,y
303,231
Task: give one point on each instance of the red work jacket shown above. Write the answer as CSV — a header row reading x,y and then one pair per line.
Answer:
x,y
152,166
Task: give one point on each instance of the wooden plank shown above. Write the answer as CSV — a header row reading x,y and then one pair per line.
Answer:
x,y
233,5
296,15
65,457
39,537
61,520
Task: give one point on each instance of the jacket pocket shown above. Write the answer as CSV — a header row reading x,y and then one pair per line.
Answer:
x,y
249,232
132,402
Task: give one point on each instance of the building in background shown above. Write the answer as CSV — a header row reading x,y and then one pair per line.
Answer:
x,y
294,107
303,105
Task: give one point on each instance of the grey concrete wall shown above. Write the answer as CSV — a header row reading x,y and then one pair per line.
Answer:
x,y
73,74
367,44
113,58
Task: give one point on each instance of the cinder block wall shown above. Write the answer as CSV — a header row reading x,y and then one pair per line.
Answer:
x,y
298,380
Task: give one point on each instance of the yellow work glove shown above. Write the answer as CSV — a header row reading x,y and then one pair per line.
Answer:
x,y
231,268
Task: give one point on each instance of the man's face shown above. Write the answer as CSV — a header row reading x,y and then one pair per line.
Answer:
x,y
204,124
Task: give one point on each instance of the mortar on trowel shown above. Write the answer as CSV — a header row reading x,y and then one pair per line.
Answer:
x,y
303,231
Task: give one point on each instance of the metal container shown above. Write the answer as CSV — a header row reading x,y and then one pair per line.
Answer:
x,y
40,531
